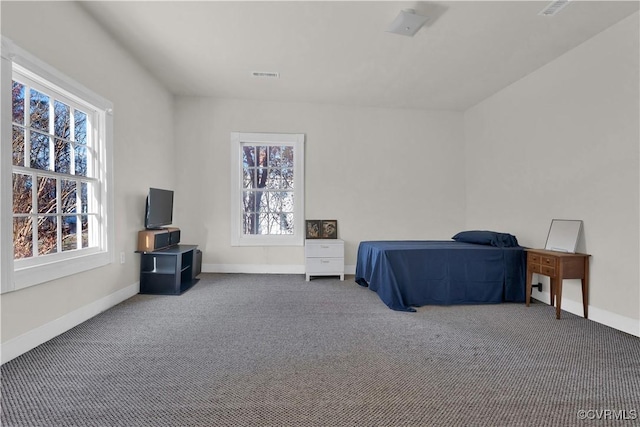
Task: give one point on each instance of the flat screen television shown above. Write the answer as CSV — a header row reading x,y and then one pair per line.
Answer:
x,y
159,210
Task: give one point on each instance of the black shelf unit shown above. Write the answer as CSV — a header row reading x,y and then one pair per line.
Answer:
x,y
169,271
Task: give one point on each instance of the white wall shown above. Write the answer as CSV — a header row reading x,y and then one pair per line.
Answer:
x,y
63,35
563,143
382,173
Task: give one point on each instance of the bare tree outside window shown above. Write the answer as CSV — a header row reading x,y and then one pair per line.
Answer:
x,y
51,182
268,197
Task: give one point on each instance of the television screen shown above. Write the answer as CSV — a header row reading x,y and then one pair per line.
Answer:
x,y
159,210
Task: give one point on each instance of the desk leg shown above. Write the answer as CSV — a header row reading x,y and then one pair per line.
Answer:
x,y
558,297
558,289
585,288
528,289
552,292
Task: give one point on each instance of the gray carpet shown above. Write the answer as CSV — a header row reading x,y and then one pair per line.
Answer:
x,y
251,350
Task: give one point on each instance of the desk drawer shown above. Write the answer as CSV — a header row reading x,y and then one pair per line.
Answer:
x,y
536,268
550,261
533,258
548,271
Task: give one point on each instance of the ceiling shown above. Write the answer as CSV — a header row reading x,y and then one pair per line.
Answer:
x,y
338,52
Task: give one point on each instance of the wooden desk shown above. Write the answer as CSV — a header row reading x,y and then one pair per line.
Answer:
x,y
559,266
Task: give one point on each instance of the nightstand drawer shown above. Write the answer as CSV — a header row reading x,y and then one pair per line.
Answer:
x,y
324,250
324,265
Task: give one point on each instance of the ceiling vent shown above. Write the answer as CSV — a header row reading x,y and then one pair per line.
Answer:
x,y
553,8
266,74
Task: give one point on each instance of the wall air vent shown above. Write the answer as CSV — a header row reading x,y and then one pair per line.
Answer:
x,y
553,8
266,74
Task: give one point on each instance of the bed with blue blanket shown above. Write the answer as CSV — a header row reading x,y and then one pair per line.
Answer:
x,y
467,270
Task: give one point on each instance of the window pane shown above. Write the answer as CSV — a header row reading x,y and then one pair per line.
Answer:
x,y
287,157
277,201
260,180
18,146
80,120
274,156
22,200
47,195
287,179
286,223
274,181
62,161
263,154
22,238
62,120
47,235
17,97
248,177
85,231
262,171
270,203
249,201
68,196
248,156
39,151
84,197
80,160
69,235
39,110
250,223
263,225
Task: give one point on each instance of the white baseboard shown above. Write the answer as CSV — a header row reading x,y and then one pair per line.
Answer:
x,y
25,342
616,321
253,268
263,269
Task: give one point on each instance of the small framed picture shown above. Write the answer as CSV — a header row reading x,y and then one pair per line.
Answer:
x,y
313,228
329,229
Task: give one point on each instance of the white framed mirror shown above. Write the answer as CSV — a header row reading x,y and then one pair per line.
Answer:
x,y
563,235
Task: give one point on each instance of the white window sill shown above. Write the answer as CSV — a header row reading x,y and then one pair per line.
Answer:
x,y
34,275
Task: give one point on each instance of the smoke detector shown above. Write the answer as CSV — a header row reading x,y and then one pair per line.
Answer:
x,y
407,23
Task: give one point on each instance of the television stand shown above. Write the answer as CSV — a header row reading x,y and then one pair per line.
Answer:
x,y
169,271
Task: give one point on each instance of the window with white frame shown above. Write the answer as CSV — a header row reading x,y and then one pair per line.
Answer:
x,y
267,193
59,172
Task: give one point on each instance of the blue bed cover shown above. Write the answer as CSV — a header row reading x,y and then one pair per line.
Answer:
x,y
416,273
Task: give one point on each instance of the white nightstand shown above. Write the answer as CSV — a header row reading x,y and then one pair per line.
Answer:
x,y
324,257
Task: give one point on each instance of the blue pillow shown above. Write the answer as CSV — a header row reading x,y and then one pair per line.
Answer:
x,y
483,237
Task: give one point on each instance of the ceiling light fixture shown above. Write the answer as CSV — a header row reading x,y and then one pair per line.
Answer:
x,y
407,23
